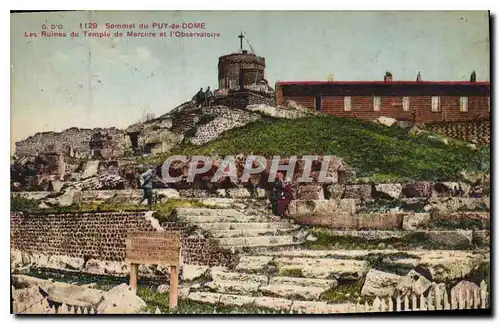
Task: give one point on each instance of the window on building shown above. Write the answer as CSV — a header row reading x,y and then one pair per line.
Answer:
x,y
347,103
406,103
376,103
489,102
318,103
436,104
464,104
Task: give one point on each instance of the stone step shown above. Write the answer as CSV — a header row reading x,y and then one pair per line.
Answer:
x,y
200,211
349,254
257,241
236,283
280,304
290,287
323,268
442,264
245,226
249,232
220,275
432,239
226,219
305,282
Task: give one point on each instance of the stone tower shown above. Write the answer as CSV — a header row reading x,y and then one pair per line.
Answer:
x,y
237,70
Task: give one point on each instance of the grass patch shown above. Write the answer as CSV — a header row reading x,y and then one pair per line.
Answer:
x,y
385,206
362,144
163,211
413,240
462,223
382,262
326,240
483,272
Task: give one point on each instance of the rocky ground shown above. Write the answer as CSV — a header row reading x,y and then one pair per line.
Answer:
x,y
285,267
475,132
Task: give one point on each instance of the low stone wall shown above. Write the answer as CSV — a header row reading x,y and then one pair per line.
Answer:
x,y
416,189
343,214
95,242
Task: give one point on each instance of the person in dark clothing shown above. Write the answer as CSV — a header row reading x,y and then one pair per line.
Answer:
x,y
285,199
147,186
278,193
199,98
209,96
147,179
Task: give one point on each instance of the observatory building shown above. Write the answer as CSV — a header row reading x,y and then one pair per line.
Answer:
x,y
242,70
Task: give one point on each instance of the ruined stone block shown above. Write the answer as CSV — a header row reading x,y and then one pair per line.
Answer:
x,y
380,221
363,191
417,189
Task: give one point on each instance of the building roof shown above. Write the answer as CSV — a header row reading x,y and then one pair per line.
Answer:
x,y
449,83
382,88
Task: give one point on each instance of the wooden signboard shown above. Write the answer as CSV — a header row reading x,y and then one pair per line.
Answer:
x,y
162,248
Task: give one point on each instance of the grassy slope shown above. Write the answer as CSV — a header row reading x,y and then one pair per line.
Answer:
x,y
374,150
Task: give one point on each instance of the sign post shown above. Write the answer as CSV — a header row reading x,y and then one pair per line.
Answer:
x,y
161,248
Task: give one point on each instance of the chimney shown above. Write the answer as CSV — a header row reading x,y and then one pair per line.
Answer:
x,y
388,77
419,77
473,76
329,78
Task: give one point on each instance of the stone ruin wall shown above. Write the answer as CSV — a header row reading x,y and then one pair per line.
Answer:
x,y
225,119
76,138
101,236
243,99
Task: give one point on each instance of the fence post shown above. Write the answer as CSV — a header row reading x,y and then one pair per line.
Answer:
x,y
414,302
390,305
468,304
382,305
439,298
407,303
63,309
454,299
461,301
376,305
446,300
484,294
398,304
477,298
423,305
431,299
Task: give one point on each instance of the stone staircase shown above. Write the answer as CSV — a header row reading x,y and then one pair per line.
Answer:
x,y
235,229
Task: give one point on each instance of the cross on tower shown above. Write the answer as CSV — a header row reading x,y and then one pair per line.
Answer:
x,y
240,36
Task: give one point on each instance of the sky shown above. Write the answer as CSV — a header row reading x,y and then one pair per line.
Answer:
x,y
57,83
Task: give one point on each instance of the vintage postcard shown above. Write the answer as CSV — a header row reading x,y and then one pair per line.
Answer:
x,y
250,162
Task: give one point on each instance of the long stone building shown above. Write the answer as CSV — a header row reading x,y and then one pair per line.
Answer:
x,y
415,101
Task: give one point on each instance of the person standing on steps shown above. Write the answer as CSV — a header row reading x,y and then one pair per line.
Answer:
x,y
209,96
285,199
147,179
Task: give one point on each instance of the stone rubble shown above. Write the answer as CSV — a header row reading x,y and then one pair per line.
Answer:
x,y
379,283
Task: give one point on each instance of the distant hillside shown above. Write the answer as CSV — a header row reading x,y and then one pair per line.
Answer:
x,y
376,151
